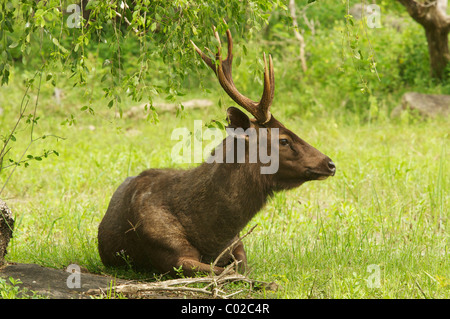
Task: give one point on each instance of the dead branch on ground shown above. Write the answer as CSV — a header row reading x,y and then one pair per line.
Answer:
x,y
212,286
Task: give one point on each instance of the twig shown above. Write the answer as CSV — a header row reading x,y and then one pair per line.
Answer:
x,y
128,22
33,122
213,289
234,293
310,24
230,247
23,108
29,159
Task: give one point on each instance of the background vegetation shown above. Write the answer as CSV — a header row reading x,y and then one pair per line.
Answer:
x,y
387,205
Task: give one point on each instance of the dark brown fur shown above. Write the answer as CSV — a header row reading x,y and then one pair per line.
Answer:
x,y
167,219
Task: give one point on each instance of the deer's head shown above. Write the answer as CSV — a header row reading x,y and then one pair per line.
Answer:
x,y
298,162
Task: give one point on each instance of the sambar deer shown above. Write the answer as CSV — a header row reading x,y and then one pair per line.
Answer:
x,y
167,219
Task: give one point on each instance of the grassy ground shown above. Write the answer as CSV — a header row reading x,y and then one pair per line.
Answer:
x,y
378,229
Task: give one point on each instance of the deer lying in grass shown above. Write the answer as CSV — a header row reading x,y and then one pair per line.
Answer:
x,y
168,219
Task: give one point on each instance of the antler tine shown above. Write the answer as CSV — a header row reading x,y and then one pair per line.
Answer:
x,y
260,110
230,45
268,93
205,58
229,60
269,89
272,79
219,48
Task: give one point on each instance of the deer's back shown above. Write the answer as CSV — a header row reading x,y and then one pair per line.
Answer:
x,y
172,204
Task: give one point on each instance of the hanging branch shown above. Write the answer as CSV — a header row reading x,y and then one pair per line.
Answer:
x,y
33,121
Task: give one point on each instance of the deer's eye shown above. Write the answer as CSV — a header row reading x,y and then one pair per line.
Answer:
x,y
284,141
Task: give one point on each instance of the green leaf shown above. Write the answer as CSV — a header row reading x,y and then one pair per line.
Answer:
x,y
237,61
91,4
56,42
219,125
9,26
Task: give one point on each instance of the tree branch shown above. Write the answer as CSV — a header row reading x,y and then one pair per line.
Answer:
x,y
418,11
441,8
298,35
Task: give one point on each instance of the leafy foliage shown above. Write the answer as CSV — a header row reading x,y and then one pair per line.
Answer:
x,y
135,49
133,41
122,52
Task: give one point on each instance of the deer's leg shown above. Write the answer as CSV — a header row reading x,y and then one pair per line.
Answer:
x,y
190,266
162,243
188,258
240,255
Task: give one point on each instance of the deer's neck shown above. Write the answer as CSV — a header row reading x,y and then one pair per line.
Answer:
x,y
216,201
236,189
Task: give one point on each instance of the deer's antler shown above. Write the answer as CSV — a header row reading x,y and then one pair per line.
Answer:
x,y
222,68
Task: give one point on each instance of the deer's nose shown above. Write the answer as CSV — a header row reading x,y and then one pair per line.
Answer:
x,y
332,167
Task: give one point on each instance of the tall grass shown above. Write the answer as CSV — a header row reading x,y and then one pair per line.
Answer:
x,y
386,206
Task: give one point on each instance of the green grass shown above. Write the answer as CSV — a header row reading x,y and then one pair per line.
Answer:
x,y
386,206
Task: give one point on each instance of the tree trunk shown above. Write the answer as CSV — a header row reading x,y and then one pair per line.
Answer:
x,y
432,15
6,229
438,49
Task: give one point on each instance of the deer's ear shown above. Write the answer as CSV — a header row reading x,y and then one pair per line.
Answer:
x,y
237,119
